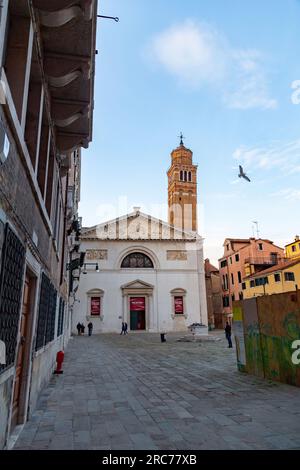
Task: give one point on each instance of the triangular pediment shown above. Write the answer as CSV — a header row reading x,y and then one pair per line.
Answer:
x,y
137,284
136,226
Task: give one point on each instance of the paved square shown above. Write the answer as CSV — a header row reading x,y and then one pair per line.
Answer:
x,y
133,392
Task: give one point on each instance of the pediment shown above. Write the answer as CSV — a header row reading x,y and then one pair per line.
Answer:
x,y
137,285
136,226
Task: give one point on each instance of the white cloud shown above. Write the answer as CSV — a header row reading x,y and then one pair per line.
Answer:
x,y
284,157
290,194
198,55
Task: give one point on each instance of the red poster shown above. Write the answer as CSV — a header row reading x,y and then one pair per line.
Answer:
x,y
95,306
178,304
137,304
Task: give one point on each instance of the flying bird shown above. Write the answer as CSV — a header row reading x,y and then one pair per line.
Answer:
x,y
243,174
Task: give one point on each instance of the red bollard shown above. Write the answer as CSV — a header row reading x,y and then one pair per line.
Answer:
x,y
59,359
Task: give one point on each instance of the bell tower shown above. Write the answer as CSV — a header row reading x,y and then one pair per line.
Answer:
x,y
182,189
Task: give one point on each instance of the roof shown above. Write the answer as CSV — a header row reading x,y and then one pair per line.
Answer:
x,y
292,243
279,267
210,268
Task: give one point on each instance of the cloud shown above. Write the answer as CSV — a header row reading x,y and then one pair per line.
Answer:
x,y
290,194
283,157
198,55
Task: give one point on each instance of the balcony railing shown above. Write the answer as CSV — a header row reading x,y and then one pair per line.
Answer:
x,y
262,261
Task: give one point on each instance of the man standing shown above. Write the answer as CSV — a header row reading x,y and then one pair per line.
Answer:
x,y
228,334
90,328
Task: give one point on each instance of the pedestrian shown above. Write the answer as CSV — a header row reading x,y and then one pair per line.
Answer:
x,y
90,327
78,326
228,334
82,328
123,328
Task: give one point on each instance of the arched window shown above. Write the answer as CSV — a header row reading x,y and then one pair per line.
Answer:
x,y
190,176
185,176
137,260
181,175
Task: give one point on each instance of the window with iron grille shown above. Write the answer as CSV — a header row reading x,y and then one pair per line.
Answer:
x,y
60,325
50,330
46,315
11,284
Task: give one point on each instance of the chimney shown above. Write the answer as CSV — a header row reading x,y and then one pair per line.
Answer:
x,y
297,238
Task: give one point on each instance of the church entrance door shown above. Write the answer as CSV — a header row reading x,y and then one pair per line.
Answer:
x,y
137,313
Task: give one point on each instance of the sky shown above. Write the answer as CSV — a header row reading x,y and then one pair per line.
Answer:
x,y
224,72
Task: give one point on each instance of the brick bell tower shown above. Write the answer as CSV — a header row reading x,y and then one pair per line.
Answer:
x,y
182,189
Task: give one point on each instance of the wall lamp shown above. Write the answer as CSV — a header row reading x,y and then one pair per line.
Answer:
x,y
115,18
90,264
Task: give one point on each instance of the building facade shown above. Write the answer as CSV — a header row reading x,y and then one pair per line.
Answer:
x,y
47,51
242,258
292,250
214,296
144,271
284,277
141,271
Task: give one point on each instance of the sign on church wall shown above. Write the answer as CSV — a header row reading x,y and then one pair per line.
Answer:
x,y
95,305
95,254
137,304
178,301
177,255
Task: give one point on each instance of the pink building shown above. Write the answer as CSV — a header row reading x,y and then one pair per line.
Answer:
x,y
243,257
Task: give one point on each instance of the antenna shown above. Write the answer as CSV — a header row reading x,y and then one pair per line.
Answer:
x,y
257,230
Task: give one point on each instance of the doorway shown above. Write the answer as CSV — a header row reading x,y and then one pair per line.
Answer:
x,y
137,313
23,348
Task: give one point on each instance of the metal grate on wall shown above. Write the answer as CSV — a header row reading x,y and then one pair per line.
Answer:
x,y
47,312
60,325
11,284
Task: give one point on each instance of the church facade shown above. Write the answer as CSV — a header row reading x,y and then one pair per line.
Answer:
x,y
144,271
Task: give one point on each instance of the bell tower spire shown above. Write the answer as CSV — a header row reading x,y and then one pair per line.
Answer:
x,y
182,189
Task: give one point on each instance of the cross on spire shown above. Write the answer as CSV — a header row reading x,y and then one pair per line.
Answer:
x,y
181,137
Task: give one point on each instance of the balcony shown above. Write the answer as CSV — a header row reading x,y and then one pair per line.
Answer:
x,y
263,261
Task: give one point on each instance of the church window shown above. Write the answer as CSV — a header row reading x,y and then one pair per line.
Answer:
x,y
185,176
137,260
190,176
181,175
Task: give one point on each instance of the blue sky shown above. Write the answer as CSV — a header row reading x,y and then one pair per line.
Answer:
x,y
221,71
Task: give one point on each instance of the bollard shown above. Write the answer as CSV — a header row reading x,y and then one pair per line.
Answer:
x,y
59,359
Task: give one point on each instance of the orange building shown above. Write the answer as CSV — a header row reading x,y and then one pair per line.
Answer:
x,y
243,257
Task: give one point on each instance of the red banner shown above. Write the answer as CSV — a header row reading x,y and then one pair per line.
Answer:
x,y
137,304
95,306
178,304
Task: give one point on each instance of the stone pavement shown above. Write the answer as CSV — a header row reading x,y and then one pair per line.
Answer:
x,y
133,392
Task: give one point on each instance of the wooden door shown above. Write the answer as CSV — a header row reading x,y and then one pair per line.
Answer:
x,y
21,351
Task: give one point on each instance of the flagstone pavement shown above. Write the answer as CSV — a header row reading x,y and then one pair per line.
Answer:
x,y
134,392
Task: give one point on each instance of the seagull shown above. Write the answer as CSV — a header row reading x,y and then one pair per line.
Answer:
x,y
243,174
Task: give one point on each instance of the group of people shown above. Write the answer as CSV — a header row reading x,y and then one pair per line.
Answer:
x,y
80,328
124,330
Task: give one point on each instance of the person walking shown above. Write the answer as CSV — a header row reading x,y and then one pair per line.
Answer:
x,y
123,328
228,334
90,328
78,326
82,328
